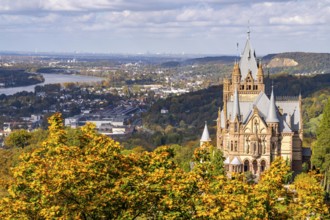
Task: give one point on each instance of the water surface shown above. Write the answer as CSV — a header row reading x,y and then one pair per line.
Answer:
x,y
49,79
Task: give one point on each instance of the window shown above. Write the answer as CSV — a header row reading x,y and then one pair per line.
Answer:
x,y
231,145
235,145
262,166
246,166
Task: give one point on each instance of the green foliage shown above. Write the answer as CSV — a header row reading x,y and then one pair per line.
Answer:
x,y
321,148
208,161
189,111
13,78
307,62
18,138
183,155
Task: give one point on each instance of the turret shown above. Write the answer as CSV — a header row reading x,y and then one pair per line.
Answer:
x,y
236,75
205,136
219,130
272,119
236,111
260,77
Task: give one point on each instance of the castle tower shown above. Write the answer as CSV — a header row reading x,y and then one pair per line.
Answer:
x,y
205,136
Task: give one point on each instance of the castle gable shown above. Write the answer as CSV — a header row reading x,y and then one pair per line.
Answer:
x,y
255,118
290,113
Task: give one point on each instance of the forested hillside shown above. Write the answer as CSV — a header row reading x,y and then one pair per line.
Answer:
x,y
188,112
12,78
304,63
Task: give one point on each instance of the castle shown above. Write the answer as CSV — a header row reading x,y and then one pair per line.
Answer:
x,y
252,128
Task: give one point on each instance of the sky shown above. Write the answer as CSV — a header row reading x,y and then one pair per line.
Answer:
x,y
164,26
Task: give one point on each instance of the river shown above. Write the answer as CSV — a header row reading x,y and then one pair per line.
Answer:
x,y
51,78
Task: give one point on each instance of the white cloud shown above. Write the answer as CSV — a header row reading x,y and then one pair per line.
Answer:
x,y
168,19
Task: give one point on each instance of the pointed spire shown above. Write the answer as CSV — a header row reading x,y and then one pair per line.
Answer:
x,y
248,60
236,110
272,116
205,136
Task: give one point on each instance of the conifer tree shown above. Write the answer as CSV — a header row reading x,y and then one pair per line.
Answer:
x,y
321,148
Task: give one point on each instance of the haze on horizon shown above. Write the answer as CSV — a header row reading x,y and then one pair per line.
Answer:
x,y
164,26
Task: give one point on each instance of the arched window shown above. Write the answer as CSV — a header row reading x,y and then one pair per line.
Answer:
x,y
262,166
246,166
255,167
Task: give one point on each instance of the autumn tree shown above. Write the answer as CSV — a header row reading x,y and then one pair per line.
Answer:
x,y
309,198
81,174
18,138
89,178
270,189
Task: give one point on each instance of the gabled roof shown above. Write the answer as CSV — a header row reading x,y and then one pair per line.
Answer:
x,y
227,161
248,61
262,116
289,118
205,136
291,113
235,161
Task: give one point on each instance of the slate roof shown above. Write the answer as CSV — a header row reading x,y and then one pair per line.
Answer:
x,y
235,161
227,161
205,136
262,102
272,116
248,61
236,109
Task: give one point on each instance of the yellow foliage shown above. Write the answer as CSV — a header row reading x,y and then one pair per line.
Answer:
x,y
91,178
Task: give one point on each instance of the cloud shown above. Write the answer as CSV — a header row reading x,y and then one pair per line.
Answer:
x,y
168,19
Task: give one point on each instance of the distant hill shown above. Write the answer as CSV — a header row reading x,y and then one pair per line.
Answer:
x,y
290,62
298,63
217,59
202,60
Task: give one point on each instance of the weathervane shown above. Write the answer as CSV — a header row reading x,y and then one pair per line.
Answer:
x,y
237,49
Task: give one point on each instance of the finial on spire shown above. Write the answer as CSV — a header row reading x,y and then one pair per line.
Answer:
x,y
248,32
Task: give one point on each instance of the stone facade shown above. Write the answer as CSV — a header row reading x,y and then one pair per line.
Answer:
x,y
252,128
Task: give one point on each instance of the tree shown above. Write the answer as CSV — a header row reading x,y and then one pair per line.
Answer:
x,y
89,178
321,148
18,138
309,198
270,191
81,174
